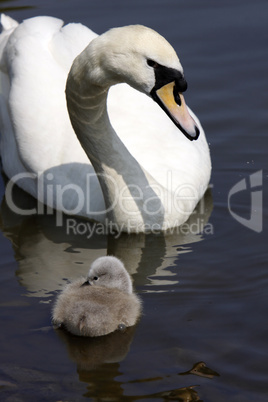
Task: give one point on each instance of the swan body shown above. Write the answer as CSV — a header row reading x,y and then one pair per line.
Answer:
x,y
130,164
99,304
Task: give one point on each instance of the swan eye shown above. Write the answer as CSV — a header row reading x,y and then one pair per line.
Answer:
x,y
152,63
95,278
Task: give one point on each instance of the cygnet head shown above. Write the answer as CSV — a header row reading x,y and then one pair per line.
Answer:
x,y
109,272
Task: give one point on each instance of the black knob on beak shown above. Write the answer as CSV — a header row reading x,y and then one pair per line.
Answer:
x,y
181,84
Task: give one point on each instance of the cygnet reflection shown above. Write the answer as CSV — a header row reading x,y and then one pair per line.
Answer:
x,y
99,304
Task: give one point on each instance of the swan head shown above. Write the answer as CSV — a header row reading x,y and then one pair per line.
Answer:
x,y
109,272
145,60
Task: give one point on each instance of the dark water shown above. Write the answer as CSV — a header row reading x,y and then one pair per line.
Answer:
x,y
205,296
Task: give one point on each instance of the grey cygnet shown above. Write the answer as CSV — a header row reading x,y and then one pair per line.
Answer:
x,y
99,304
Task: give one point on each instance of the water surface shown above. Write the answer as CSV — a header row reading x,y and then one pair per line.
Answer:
x,y
204,295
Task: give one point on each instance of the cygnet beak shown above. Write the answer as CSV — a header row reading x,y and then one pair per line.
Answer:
x,y
87,283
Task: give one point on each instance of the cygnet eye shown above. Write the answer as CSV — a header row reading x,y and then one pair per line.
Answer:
x,y
96,278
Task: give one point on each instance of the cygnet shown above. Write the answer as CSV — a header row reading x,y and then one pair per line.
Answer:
x,y
99,304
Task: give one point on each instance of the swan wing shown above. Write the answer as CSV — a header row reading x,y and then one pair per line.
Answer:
x,y
36,133
37,57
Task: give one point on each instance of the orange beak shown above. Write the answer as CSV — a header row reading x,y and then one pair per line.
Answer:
x,y
174,105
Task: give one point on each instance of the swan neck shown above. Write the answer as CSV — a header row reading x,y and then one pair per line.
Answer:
x,y
132,204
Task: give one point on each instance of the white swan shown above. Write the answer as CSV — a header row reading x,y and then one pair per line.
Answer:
x,y
151,175
99,304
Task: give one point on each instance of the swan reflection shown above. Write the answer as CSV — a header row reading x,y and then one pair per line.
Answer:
x,y
47,254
